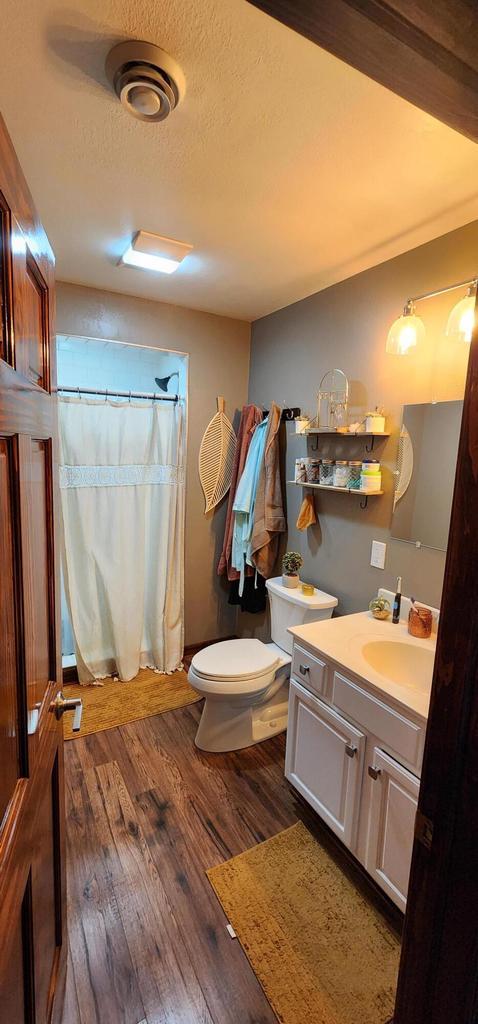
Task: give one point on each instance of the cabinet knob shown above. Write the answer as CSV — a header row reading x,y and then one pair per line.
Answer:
x,y
304,669
350,750
374,772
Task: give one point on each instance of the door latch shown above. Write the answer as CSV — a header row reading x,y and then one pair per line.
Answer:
x,y
62,704
424,830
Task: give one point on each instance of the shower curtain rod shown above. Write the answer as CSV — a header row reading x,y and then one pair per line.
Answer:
x,y
151,396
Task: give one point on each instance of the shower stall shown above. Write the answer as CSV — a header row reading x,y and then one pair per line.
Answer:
x,y
122,427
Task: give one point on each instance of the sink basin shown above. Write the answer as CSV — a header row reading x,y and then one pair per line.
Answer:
x,y
403,663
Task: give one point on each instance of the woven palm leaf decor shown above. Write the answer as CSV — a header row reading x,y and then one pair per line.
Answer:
x,y
404,466
216,457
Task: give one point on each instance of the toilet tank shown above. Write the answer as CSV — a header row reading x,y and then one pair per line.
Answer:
x,y
290,607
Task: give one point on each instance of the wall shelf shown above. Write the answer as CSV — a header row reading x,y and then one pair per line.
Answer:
x,y
318,432
339,490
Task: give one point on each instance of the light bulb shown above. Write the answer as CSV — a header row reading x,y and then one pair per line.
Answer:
x,y
462,318
405,333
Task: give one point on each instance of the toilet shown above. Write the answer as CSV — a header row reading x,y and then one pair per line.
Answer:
x,y
246,682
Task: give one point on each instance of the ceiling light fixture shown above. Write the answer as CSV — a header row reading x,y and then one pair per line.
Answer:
x,y
153,252
408,330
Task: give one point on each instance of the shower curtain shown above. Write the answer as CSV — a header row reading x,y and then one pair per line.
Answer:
x,y
122,489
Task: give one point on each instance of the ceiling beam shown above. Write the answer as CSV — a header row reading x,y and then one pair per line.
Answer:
x,y
424,50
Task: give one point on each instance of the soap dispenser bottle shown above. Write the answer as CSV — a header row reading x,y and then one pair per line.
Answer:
x,y
397,602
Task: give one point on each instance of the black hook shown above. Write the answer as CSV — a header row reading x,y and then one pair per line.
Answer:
x,y
364,502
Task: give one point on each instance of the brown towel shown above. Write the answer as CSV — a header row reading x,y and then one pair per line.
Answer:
x,y
269,516
307,515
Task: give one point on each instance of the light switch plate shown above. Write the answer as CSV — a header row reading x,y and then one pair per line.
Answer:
x,y
377,557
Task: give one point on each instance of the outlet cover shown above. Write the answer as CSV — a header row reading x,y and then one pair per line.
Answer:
x,y
377,557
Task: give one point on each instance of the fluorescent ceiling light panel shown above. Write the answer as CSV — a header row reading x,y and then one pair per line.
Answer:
x,y
153,252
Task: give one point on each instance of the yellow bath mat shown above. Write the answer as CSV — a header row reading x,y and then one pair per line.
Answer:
x,y
321,952
115,703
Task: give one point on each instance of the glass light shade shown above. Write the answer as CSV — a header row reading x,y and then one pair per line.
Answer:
x,y
462,320
405,333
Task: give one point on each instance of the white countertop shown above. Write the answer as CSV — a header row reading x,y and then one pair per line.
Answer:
x,y
342,640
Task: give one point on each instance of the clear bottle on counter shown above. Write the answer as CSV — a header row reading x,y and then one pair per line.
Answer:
x,y
327,472
341,472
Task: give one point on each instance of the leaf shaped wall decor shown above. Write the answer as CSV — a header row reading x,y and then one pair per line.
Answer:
x,y
404,466
216,457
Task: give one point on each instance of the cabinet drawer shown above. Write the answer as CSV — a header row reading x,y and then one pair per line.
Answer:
x,y
309,670
402,737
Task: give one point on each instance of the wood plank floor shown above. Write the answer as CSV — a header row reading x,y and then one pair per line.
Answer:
x,y
147,814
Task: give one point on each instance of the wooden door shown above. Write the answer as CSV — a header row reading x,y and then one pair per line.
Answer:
x,y
32,924
324,761
391,820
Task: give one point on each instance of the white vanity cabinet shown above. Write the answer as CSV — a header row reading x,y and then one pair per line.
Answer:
x,y
356,759
324,761
392,806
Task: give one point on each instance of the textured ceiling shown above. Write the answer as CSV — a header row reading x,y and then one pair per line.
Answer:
x,y
286,169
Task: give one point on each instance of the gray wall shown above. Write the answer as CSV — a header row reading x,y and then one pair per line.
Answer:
x,y
346,326
218,350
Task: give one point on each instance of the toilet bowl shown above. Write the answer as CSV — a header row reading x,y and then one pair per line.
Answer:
x,y
246,682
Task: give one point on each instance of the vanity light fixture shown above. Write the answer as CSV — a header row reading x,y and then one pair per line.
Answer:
x,y
408,329
462,317
153,252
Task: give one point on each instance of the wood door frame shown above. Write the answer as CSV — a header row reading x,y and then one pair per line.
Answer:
x,y
423,50
28,416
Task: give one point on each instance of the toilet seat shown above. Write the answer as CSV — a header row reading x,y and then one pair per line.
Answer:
x,y
235,666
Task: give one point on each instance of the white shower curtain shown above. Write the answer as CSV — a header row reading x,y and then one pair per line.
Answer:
x,y
122,487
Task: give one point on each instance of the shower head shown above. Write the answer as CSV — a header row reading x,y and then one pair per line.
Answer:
x,y
163,382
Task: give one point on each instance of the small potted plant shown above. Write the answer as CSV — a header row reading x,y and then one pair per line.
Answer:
x,y
291,564
380,608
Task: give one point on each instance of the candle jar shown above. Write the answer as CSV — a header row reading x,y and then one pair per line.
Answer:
x,y
313,471
355,470
327,472
341,472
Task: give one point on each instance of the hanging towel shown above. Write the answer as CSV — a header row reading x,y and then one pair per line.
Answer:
x,y
269,518
251,416
244,502
307,515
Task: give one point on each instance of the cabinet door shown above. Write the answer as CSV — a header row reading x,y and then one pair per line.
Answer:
x,y
391,822
324,761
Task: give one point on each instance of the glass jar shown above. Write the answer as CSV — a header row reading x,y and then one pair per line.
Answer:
x,y
313,471
327,472
300,471
354,473
341,472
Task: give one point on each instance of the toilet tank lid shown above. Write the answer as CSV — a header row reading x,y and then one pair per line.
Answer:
x,y
319,599
235,659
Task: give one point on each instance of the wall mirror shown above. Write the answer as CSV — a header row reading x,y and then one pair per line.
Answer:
x,y
425,473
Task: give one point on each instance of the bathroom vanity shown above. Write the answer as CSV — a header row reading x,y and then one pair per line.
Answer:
x,y
358,706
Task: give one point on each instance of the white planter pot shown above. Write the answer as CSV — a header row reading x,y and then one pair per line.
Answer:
x,y
290,581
